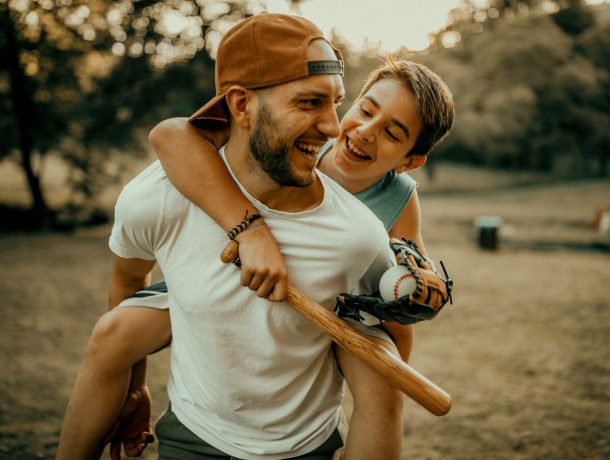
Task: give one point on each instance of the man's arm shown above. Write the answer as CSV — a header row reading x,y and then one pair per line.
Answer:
x,y
128,277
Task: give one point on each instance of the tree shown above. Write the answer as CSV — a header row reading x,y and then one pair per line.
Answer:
x,y
83,79
528,95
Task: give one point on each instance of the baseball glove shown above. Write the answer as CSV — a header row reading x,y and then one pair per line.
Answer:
x,y
431,294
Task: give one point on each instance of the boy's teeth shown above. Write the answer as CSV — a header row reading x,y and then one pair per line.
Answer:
x,y
310,148
355,150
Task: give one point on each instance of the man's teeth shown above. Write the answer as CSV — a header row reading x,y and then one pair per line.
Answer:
x,y
309,148
355,150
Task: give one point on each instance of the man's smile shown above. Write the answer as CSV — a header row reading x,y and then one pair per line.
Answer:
x,y
308,148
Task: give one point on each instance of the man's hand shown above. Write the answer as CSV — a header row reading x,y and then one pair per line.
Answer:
x,y
132,428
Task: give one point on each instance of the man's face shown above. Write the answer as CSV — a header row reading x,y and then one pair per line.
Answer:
x,y
272,152
294,120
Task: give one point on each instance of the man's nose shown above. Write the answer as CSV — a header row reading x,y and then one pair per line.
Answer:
x,y
329,123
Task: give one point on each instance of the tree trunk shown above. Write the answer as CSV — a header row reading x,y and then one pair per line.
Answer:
x,y
24,109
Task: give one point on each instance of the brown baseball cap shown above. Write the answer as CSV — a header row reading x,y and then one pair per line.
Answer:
x,y
264,50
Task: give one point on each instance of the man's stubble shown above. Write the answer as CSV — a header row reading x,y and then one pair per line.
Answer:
x,y
272,152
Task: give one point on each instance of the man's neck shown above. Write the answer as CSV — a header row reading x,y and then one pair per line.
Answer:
x,y
258,184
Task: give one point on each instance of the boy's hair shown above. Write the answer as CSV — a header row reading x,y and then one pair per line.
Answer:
x,y
434,99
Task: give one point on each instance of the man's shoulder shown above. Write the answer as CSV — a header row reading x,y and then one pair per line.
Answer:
x,y
146,196
147,179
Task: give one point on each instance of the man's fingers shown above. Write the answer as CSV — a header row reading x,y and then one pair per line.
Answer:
x,y
115,449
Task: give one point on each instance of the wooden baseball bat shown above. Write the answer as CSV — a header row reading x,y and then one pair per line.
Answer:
x,y
399,373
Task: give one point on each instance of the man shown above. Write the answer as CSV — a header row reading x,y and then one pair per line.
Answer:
x,y
250,378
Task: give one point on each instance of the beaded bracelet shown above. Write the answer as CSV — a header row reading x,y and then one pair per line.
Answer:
x,y
242,226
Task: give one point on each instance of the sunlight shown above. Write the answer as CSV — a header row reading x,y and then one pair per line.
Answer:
x,y
391,24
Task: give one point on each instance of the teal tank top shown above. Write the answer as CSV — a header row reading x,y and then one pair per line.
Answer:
x,y
387,197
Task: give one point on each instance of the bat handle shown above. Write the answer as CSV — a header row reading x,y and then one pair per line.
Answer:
x,y
230,252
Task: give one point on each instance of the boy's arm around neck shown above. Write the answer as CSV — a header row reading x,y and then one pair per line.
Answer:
x,y
190,158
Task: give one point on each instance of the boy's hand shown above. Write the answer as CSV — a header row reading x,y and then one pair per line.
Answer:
x,y
262,265
132,428
432,292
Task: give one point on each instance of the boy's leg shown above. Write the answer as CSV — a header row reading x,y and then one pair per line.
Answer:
x,y
376,426
121,338
403,338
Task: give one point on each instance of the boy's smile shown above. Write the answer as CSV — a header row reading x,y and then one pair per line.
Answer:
x,y
377,133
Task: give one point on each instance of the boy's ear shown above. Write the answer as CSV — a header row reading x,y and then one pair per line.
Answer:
x,y
412,162
238,101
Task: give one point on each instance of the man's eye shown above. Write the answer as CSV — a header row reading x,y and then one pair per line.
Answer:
x,y
365,112
311,103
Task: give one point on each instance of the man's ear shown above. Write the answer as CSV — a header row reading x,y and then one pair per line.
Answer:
x,y
239,101
412,162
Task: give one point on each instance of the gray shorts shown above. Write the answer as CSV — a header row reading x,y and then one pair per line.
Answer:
x,y
155,296
177,442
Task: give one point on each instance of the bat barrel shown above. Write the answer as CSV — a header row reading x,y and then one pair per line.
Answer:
x,y
403,376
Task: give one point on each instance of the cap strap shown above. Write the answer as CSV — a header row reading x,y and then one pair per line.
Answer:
x,y
322,67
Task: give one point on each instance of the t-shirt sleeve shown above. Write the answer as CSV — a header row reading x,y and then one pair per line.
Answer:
x,y
138,218
384,259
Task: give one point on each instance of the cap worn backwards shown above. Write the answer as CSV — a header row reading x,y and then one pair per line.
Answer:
x,y
264,50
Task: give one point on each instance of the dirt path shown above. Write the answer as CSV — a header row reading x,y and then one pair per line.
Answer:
x,y
524,351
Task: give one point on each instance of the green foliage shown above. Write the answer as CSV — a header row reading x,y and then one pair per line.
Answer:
x,y
86,80
529,95
576,18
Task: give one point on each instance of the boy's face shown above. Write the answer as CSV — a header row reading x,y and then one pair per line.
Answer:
x,y
377,132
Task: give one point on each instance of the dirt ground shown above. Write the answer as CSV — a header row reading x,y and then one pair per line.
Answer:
x,y
524,351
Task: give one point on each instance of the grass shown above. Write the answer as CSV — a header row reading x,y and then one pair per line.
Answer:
x,y
524,351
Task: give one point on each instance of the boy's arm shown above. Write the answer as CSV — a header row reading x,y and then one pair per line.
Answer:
x,y
408,224
190,159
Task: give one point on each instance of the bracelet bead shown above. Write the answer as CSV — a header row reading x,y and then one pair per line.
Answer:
x,y
242,226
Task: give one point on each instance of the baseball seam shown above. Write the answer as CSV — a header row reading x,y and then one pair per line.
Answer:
x,y
398,283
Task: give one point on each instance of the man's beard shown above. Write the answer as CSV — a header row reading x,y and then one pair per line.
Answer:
x,y
272,153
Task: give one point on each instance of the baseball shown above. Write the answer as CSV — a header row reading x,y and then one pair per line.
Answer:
x,y
396,282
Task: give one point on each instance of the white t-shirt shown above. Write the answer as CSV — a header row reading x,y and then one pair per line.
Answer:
x,y
253,378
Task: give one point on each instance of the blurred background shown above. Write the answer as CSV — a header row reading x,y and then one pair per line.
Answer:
x,y
525,350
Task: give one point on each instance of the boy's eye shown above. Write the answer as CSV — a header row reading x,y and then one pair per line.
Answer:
x,y
391,135
365,109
